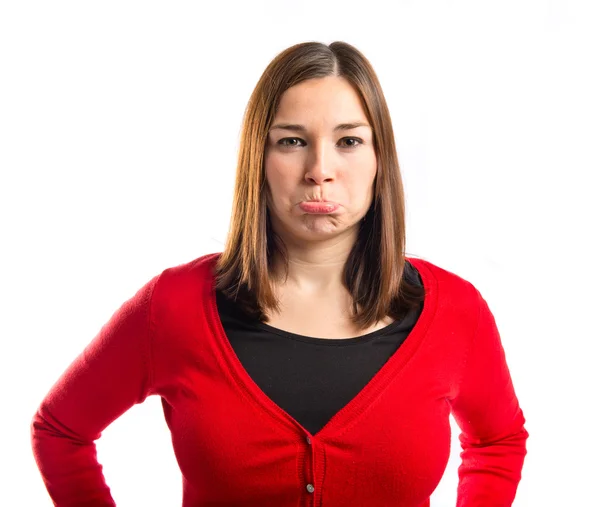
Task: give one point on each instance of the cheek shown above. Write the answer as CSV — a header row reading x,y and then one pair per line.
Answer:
x,y
280,187
280,175
361,182
277,181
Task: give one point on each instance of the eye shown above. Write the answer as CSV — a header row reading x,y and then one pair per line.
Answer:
x,y
356,139
355,142
282,142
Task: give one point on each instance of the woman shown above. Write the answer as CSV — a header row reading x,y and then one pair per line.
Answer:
x,y
311,362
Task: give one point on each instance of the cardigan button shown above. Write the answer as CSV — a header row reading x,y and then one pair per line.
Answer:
x,y
308,441
310,488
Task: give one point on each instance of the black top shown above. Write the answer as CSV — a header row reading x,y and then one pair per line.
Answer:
x,y
312,378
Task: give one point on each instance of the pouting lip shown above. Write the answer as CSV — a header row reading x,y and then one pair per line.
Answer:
x,y
322,202
319,206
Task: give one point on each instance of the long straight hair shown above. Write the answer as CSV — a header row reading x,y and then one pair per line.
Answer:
x,y
373,273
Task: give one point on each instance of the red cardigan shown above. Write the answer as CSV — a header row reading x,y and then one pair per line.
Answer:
x,y
388,446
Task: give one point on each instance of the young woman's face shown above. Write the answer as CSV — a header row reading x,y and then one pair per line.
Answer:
x,y
316,150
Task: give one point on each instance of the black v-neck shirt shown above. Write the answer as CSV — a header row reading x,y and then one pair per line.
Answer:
x,y
312,378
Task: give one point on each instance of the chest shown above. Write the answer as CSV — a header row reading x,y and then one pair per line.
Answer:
x,y
324,316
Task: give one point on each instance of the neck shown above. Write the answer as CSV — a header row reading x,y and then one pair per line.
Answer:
x,y
315,268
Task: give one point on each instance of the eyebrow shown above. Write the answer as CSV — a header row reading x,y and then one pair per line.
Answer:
x,y
301,128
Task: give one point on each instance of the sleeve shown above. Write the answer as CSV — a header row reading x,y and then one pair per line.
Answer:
x,y
487,412
108,377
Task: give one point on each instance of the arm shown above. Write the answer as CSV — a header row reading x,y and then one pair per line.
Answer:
x,y
110,375
487,411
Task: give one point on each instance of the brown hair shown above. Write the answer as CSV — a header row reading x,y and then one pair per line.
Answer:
x,y
374,270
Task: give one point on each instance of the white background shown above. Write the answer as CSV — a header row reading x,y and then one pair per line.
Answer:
x,y
119,124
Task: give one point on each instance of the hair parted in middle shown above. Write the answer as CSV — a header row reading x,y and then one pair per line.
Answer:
x,y
374,270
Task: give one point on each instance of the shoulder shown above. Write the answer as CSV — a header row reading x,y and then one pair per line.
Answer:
x,y
455,309
186,281
200,267
448,287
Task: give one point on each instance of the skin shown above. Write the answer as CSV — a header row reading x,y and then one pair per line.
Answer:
x,y
318,162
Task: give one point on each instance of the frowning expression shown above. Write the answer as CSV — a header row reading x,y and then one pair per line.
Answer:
x,y
319,147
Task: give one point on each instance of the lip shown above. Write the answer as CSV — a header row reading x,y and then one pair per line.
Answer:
x,y
319,207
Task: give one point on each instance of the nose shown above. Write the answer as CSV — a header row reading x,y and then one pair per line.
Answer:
x,y
319,164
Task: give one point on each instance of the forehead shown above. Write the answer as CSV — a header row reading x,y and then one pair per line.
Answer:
x,y
329,97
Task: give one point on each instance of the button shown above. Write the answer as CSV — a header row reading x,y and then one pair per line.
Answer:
x,y
308,441
310,488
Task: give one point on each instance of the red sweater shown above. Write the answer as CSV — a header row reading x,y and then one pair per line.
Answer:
x,y
388,446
